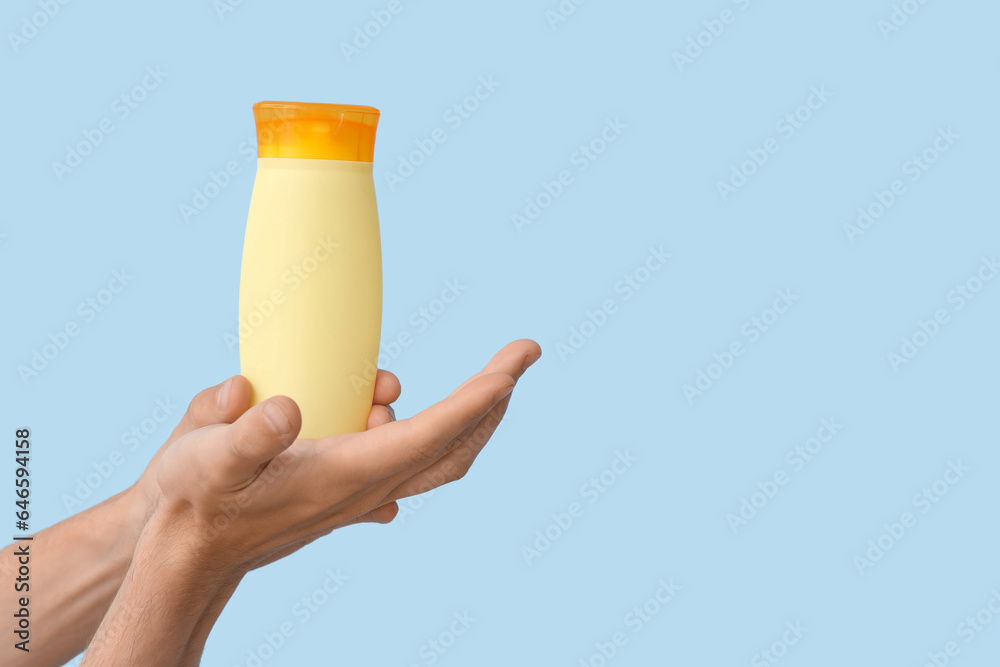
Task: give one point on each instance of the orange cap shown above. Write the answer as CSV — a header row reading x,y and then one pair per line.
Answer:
x,y
319,131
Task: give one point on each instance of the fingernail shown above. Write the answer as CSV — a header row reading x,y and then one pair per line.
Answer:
x,y
530,359
223,397
276,419
392,413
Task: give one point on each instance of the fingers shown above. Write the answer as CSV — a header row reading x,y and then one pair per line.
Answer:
x,y
387,388
434,428
459,456
456,463
380,414
263,432
513,359
419,439
386,391
221,404
383,514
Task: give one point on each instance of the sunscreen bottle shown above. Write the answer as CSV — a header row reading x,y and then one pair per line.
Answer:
x,y
311,281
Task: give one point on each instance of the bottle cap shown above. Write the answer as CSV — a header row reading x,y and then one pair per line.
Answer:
x,y
318,131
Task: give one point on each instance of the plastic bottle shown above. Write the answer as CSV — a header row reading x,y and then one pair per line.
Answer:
x,y
311,281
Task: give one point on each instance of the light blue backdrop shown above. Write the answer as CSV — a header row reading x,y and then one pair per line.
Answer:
x,y
741,138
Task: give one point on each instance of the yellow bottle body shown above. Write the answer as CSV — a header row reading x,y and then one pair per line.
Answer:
x,y
311,290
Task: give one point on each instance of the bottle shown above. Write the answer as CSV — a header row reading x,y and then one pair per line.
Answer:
x,y
311,280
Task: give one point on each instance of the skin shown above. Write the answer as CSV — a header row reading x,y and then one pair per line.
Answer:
x,y
84,558
233,495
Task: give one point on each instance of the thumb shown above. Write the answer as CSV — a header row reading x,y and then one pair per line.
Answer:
x,y
221,404
260,434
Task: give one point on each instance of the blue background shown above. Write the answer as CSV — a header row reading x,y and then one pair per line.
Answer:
x,y
656,185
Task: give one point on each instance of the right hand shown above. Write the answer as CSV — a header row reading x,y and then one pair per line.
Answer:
x,y
243,494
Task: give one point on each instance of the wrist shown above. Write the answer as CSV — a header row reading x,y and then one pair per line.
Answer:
x,y
173,533
125,514
173,578
136,508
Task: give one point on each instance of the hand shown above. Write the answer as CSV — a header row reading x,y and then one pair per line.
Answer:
x,y
88,566
223,404
246,493
229,497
